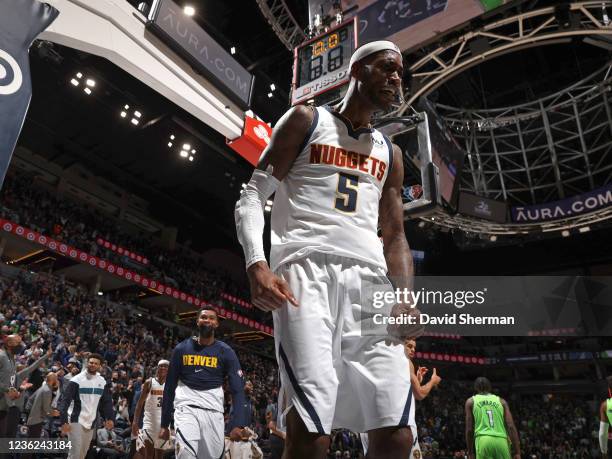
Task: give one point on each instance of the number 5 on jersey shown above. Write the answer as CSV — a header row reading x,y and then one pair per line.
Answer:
x,y
346,193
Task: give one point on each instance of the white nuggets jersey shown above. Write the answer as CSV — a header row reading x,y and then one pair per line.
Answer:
x,y
152,408
328,202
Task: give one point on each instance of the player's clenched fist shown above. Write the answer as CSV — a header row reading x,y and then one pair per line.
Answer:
x,y
268,291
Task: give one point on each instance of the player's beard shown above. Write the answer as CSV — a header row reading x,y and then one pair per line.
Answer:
x,y
205,331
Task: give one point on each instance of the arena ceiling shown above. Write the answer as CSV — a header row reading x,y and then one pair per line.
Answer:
x,y
67,126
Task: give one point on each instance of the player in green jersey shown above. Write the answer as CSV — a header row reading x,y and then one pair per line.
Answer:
x,y
488,424
605,419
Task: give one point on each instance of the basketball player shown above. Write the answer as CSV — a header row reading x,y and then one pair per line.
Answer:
x,y
419,392
488,424
193,387
605,419
335,179
150,399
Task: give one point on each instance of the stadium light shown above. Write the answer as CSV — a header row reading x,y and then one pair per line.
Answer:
x,y
269,203
74,82
171,136
134,121
91,83
272,87
189,10
137,114
193,151
87,91
79,75
186,146
233,50
270,95
123,114
565,233
267,208
584,229
126,106
184,154
169,144
191,158
493,238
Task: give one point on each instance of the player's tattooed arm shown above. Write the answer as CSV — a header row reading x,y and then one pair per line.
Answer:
x,y
288,135
396,249
511,429
268,291
469,427
146,388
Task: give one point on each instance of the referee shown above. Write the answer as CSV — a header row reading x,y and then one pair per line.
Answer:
x,y
193,387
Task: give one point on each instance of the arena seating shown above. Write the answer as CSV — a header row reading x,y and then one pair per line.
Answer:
x,y
77,225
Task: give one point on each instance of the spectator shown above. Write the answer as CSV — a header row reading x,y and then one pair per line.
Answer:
x,y
74,368
79,404
109,443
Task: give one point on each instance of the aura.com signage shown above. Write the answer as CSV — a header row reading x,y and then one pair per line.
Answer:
x,y
181,33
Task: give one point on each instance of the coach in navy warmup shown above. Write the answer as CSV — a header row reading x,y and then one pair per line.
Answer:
x,y
193,387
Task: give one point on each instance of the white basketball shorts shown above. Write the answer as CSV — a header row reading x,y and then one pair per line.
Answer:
x,y
151,434
330,373
199,433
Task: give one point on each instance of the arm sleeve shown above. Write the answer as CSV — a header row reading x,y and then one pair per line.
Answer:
x,y
69,393
170,387
106,404
249,215
236,384
603,436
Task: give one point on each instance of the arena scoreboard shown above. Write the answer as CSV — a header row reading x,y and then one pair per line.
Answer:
x,y
322,64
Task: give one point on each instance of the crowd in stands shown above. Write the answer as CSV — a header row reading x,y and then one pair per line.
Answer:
x,y
48,312
80,226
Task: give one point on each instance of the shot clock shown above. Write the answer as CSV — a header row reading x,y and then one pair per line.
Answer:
x,y
322,63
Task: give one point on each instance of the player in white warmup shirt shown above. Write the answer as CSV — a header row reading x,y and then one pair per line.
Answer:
x,y
150,401
336,179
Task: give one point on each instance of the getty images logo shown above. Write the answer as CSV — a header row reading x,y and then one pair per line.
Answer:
x,y
9,70
262,133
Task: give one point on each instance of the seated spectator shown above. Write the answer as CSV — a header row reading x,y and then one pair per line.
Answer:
x,y
109,443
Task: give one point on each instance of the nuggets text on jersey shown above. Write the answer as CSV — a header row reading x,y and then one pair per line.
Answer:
x,y
351,160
